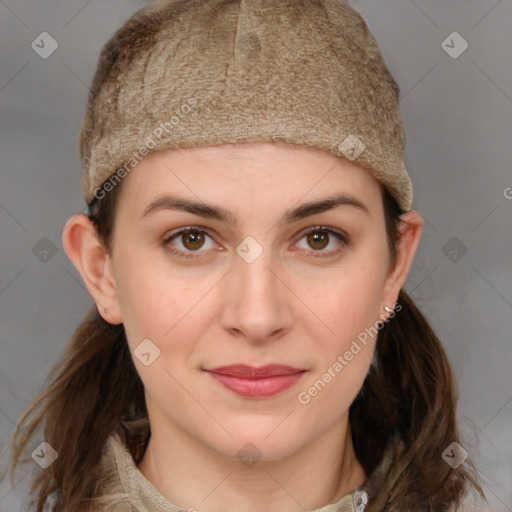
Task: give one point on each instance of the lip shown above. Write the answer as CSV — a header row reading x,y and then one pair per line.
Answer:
x,y
257,382
245,371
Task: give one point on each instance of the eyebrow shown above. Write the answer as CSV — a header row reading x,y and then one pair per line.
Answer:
x,y
206,210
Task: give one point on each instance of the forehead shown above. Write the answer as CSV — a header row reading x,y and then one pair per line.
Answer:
x,y
268,172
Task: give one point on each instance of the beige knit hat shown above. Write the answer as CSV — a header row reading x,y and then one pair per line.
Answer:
x,y
187,73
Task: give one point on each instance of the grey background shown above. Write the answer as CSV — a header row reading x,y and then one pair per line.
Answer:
x,y
458,117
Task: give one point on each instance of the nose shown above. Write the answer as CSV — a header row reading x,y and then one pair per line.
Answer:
x,y
257,303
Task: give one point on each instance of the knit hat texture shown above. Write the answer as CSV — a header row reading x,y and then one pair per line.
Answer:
x,y
189,73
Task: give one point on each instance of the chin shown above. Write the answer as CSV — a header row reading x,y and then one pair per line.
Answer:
x,y
258,445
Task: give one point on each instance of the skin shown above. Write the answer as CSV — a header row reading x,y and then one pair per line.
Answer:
x,y
285,307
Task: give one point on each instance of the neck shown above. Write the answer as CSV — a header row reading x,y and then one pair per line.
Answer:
x,y
310,478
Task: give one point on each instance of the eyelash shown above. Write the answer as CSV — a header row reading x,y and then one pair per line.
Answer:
x,y
344,239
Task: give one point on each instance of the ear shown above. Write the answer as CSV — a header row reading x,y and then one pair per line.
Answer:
x,y
84,248
410,228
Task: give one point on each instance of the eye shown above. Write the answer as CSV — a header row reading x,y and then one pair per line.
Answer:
x,y
319,237
191,239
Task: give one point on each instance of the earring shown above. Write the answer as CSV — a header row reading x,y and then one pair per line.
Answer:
x,y
388,312
106,311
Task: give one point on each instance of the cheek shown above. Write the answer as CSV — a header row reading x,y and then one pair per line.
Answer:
x,y
166,307
348,307
143,289
159,308
346,303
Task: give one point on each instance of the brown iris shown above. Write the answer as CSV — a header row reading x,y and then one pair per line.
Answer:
x,y
196,239
318,237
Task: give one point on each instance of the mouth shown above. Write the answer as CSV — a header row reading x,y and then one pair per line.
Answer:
x,y
257,382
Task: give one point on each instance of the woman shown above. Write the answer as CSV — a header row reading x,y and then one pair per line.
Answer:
x,y
250,231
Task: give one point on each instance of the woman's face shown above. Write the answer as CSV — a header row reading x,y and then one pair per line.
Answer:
x,y
249,286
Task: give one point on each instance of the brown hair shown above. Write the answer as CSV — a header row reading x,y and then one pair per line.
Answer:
x,y
409,392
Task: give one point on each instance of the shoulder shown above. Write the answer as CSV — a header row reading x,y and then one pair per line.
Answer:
x,y
110,494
